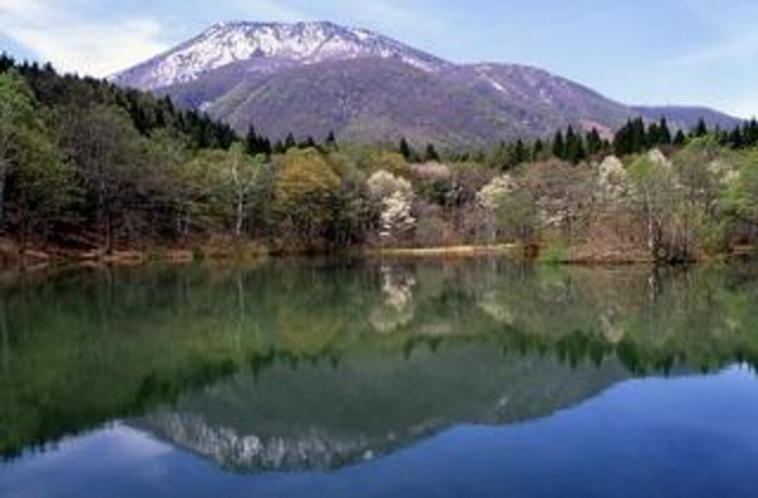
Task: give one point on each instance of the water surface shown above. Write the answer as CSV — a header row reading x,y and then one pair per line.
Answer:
x,y
468,378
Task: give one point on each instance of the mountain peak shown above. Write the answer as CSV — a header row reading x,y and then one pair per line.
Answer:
x,y
238,42
316,77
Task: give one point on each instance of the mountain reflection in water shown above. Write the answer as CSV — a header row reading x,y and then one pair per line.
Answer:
x,y
294,366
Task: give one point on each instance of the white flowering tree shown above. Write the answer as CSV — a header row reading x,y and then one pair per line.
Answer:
x,y
612,179
394,196
491,198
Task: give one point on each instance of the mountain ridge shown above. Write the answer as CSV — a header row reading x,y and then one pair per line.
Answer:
x,y
238,41
313,78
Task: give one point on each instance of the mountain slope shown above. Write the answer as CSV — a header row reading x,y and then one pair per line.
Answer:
x,y
687,117
538,92
367,99
317,77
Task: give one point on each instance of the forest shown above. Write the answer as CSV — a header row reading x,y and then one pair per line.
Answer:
x,y
88,168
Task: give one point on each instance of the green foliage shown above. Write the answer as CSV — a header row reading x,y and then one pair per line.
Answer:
x,y
89,165
553,254
17,102
306,190
43,186
377,159
740,199
17,106
516,215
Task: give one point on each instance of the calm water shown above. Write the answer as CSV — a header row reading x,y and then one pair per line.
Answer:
x,y
431,379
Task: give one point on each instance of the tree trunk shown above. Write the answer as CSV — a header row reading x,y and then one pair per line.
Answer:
x,y
650,227
240,214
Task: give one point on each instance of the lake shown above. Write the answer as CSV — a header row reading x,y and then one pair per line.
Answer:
x,y
374,378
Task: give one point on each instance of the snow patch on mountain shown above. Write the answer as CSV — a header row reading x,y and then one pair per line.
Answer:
x,y
235,42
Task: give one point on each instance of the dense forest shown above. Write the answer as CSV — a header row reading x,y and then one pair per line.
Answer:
x,y
88,167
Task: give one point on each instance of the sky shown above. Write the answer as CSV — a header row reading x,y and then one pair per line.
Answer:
x,y
693,52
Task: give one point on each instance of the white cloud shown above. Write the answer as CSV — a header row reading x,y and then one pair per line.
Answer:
x,y
53,32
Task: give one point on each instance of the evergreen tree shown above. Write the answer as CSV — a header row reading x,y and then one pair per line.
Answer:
x,y
665,132
279,147
559,145
309,143
252,141
639,139
331,141
734,139
750,133
289,142
520,153
405,149
632,138
575,151
701,129
537,149
679,138
431,153
594,142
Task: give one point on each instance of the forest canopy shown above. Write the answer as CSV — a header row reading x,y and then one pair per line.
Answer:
x,y
86,165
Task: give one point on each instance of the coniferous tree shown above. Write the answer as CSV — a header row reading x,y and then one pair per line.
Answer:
x,y
289,142
251,141
679,138
405,149
279,147
575,151
734,139
632,138
520,153
639,140
594,142
750,133
309,143
665,132
701,129
431,153
559,145
622,141
537,149
331,141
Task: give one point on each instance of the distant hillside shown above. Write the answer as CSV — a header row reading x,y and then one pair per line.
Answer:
x,y
687,117
317,77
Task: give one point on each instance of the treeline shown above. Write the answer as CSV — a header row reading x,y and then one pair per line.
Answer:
x,y
86,165
147,114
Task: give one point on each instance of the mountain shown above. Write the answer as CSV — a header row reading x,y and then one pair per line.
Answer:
x,y
311,78
687,117
268,47
324,416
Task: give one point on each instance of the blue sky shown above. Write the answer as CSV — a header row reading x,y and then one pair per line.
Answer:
x,y
636,51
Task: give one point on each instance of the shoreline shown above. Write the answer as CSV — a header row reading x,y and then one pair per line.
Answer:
x,y
40,259
462,250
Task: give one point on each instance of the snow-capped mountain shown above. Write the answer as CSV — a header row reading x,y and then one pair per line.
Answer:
x,y
312,78
290,419
268,46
